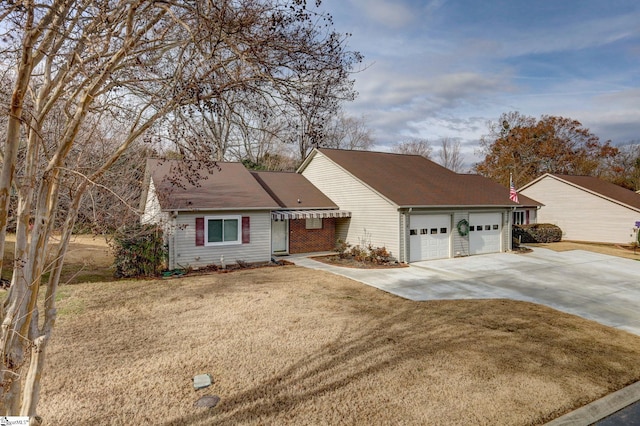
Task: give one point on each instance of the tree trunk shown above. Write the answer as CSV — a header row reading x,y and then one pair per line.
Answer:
x,y
12,139
16,332
31,392
12,353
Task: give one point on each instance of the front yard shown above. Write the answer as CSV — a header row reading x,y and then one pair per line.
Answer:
x,y
295,346
608,249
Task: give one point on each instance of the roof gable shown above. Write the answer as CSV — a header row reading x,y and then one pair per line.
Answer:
x,y
192,185
596,186
293,191
412,180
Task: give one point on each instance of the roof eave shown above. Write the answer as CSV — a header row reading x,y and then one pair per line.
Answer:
x,y
308,208
459,206
203,209
590,191
307,160
538,179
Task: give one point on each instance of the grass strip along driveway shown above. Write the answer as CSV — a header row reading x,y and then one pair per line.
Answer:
x,y
290,345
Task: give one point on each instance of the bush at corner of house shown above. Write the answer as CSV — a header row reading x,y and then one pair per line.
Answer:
x,y
342,248
380,255
139,251
358,253
537,233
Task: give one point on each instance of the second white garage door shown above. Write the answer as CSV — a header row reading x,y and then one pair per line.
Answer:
x,y
485,231
429,237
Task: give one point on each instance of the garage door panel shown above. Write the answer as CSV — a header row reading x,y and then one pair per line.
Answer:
x,y
429,237
485,233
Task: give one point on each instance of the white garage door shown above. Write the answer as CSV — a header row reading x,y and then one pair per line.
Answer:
x,y
429,237
485,230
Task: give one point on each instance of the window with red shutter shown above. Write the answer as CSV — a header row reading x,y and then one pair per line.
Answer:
x,y
246,230
199,231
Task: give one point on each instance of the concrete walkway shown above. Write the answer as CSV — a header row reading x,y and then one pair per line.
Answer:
x,y
602,288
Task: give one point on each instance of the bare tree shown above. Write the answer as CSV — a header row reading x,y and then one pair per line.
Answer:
x,y
204,123
313,105
414,147
134,62
449,154
346,132
256,130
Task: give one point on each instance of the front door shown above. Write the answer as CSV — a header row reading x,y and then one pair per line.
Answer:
x,y
279,233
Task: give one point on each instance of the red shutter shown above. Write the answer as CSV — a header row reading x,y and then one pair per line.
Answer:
x,y
246,230
527,213
199,231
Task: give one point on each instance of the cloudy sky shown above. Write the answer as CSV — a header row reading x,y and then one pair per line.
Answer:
x,y
443,68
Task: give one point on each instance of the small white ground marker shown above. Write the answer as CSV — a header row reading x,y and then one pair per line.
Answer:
x,y
201,381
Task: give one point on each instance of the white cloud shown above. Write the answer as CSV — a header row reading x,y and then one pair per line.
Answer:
x,y
430,77
387,85
391,14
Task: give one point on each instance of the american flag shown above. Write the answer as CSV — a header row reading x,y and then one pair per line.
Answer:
x,y
513,195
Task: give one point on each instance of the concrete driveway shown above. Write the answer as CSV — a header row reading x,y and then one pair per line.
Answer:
x,y
603,288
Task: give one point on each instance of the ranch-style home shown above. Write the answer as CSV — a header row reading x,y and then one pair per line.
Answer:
x,y
414,207
586,208
225,214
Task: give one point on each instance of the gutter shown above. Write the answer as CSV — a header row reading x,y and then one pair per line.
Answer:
x,y
458,206
208,209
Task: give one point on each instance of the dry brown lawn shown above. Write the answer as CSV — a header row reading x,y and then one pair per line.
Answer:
x,y
610,249
294,346
88,259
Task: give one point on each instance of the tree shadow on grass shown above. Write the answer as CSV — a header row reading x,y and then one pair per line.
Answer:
x,y
381,344
494,338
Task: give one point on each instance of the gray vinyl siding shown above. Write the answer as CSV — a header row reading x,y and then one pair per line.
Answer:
x,y
507,231
373,219
460,243
186,253
582,215
403,255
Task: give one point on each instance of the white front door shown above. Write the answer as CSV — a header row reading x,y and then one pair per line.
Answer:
x,y
429,237
485,232
279,233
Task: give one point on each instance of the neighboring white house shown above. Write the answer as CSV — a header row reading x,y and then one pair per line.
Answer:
x,y
586,208
414,207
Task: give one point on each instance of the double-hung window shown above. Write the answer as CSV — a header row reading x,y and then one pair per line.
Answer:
x,y
221,230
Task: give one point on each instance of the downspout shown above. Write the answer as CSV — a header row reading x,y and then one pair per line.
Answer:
x,y
407,238
172,240
510,225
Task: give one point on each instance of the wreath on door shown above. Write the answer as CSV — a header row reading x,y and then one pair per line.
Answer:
x,y
463,227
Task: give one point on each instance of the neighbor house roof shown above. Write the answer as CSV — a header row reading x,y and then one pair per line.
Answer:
x,y
596,186
293,191
190,185
414,181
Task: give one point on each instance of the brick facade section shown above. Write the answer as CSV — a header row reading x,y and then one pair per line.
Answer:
x,y
302,240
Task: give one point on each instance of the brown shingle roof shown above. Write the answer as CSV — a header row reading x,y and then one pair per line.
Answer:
x,y
412,180
606,189
186,185
293,191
